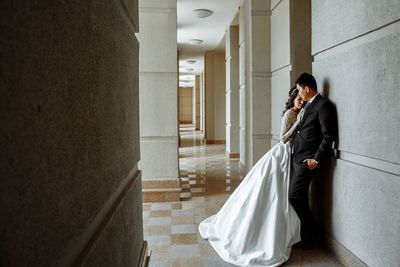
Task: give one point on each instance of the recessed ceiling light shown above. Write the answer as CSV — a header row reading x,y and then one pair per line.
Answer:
x,y
191,61
195,41
202,13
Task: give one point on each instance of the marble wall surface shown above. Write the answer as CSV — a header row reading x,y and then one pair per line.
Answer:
x,y
356,65
70,184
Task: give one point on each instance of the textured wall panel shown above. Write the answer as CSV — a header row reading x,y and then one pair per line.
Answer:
x,y
158,104
69,133
117,246
358,207
367,100
359,197
154,163
160,25
280,91
334,22
280,36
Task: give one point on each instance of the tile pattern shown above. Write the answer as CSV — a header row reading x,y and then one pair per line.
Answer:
x,y
204,169
208,178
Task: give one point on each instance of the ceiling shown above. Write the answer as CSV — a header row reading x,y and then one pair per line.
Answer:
x,y
210,29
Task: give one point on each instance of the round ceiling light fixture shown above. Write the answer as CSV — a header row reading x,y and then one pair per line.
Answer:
x,y
202,13
191,61
195,41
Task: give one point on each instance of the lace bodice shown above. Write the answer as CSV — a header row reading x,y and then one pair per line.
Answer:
x,y
289,125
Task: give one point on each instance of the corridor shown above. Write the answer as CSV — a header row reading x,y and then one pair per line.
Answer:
x,y
93,92
207,179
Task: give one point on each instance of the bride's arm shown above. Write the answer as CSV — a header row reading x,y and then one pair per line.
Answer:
x,y
285,125
289,134
289,127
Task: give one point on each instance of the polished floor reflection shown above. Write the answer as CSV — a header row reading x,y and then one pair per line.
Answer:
x,y
204,169
207,179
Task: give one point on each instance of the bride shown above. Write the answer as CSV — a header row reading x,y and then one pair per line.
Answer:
x,y
257,226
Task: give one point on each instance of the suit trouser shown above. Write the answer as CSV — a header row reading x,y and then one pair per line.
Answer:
x,y
298,197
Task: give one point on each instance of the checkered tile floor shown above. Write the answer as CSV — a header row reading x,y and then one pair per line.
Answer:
x,y
207,179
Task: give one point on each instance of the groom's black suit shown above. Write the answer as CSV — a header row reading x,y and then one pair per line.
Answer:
x,y
312,141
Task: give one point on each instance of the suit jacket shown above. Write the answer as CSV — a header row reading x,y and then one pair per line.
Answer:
x,y
315,133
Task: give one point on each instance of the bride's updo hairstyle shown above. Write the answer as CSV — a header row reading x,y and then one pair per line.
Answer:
x,y
290,102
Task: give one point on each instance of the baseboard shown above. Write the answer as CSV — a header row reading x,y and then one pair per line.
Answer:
x,y
161,190
144,255
185,122
342,254
215,142
231,155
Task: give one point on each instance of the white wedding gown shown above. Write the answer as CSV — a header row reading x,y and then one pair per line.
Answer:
x,y
257,226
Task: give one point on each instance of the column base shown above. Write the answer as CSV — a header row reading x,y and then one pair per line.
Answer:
x,y
232,155
185,122
216,142
161,190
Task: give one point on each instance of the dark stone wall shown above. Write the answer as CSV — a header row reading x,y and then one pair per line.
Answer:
x,y
69,128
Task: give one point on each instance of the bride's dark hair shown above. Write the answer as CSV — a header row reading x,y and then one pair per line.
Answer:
x,y
290,102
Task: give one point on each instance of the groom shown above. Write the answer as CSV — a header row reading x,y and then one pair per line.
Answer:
x,y
310,145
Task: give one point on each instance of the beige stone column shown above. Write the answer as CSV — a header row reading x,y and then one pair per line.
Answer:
x,y
158,100
185,105
214,86
255,80
232,91
70,188
194,105
290,52
202,104
198,102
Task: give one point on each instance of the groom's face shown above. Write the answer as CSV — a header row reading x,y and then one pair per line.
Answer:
x,y
304,92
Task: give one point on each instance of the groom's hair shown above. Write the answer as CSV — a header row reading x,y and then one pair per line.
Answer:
x,y
306,79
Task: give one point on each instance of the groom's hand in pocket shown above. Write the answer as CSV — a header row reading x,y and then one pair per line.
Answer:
x,y
311,163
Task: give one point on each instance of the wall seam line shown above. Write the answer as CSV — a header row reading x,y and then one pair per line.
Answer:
x,y
106,214
127,17
277,4
318,54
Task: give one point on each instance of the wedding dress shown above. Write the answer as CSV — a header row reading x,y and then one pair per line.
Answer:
x,y
257,226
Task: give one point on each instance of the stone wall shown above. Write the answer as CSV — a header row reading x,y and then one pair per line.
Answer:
x,y
356,52
70,185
